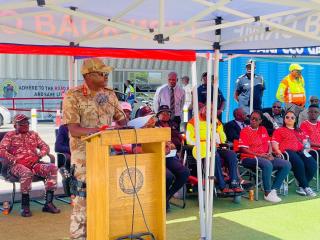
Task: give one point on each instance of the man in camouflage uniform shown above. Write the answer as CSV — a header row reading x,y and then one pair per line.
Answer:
x,y
23,149
86,109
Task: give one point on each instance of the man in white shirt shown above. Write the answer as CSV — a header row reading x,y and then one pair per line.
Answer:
x,y
171,95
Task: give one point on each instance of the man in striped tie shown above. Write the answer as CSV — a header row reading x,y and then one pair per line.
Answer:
x,y
171,95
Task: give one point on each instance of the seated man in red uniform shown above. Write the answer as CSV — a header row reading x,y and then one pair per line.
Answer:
x,y
24,149
311,127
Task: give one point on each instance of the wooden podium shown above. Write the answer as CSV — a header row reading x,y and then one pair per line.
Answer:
x,y
110,195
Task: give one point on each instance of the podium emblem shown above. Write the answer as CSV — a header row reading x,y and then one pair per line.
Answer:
x,y
125,182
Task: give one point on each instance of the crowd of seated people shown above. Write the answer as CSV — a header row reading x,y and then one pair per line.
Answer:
x,y
265,136
255,146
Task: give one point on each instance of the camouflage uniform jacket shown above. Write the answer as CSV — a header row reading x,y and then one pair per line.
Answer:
x,y
22,148
90,110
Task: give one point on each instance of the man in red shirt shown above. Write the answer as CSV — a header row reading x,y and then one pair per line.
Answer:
x,y
255,144
24,149
311,127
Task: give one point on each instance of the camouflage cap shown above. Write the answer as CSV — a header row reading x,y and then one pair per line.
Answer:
x,y
94,65
19,117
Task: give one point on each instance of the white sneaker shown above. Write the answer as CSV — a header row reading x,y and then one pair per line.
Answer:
x,y
310,192
301,191
272,197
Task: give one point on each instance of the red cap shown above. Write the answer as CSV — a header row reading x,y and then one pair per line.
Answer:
x,y
19,117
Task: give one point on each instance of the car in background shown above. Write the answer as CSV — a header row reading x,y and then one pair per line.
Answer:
x,y
5,116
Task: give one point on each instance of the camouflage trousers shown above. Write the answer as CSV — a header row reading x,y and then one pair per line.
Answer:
x,y
46,170
78,225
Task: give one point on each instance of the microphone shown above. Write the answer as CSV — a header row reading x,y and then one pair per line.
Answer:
x,y
101,99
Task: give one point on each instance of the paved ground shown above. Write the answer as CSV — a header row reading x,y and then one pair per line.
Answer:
x,y
47,133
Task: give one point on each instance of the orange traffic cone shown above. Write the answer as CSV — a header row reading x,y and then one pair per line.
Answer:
x,y
58,118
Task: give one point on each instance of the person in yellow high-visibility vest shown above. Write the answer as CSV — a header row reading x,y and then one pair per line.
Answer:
x,y
291,90
229,157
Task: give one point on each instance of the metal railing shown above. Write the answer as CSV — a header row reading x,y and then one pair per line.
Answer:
x,y
49,105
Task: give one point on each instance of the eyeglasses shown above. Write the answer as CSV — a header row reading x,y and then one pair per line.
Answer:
x,y
100,74
292,117
255,119
276,107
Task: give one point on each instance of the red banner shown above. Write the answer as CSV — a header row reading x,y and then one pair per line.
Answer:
x,y
173,55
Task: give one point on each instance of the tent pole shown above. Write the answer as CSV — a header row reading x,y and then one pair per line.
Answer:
x,y
228,89
252,85
129,8
213,142
161,16
199,162
70,71
245,21
75,71
119,25
216,47
208,135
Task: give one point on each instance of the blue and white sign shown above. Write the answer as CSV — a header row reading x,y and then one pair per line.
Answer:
x,y
306,51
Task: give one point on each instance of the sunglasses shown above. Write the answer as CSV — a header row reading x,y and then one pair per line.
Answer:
x,y
276,107
292,117
255,119
100,74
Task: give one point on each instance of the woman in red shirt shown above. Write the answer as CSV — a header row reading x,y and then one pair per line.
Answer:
x,y
254,143
291,139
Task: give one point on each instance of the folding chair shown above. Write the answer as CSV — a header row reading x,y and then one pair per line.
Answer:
x,y
4,165
63,163
317,173
254,172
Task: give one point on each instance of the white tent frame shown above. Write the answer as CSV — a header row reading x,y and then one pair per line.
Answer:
x,y
174,33
168,32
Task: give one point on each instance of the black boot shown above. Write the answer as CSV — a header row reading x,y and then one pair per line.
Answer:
x,y
25,206
49,206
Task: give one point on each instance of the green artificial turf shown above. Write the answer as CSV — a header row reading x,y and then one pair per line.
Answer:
x,y
295,218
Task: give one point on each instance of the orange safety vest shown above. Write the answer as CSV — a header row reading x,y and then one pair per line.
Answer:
x,y
292,91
